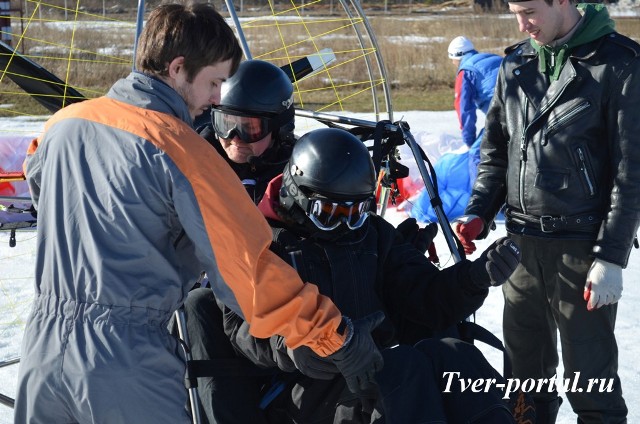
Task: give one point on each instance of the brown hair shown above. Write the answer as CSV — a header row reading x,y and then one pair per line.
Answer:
x,y
196,31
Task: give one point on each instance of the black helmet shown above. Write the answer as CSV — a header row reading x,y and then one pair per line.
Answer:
x,y
331,177
258,89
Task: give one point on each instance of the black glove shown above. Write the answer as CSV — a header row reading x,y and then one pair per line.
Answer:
x,y
311,364
359,358
496,264
420,238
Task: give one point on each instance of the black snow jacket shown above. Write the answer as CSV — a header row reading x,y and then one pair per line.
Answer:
x,y
363,271
563,154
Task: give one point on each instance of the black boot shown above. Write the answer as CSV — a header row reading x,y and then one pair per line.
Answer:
x,y
547,410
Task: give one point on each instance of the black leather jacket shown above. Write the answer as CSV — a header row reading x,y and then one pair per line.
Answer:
x,y
567,151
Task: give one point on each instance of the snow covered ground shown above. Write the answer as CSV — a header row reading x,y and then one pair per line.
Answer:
x,y
434,131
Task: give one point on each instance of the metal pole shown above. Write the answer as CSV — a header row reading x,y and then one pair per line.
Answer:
x,y
320,116
243,41
381,67
7,401
9,362
4,399
139,25
193,391
367,60
442,218
14,199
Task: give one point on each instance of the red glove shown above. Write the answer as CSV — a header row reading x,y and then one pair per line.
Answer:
x,y
433,255
468,228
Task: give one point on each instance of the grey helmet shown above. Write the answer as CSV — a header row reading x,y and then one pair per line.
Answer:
x,y
334,166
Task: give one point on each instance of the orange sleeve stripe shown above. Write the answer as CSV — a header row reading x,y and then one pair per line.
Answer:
x,y
30,150
32,146
270,293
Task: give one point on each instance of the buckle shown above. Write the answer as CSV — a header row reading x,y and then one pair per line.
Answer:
x,y
544,218
556,223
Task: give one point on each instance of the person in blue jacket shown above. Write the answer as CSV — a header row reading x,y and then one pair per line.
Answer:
x,y
456,171
475,81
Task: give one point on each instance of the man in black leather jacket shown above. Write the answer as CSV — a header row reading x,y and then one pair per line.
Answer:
x,y
365,265
560,148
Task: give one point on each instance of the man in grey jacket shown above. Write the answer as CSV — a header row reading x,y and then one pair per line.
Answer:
x,y
560,148
132,205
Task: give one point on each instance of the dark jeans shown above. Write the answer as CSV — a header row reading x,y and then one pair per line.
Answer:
x,y
544,297
411,384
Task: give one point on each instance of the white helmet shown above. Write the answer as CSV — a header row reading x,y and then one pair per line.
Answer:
x,y
459,46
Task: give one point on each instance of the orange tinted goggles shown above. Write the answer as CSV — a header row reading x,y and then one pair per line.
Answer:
x,y
328,215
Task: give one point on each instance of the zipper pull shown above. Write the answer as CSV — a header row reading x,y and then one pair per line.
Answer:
x,y
523,147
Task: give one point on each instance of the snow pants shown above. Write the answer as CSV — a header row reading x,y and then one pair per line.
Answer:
x,y
232,392
89,363
411,383
544,297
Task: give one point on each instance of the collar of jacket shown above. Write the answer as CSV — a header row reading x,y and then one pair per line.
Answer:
x,y
596,23
526,50
466,57
275,156
148,92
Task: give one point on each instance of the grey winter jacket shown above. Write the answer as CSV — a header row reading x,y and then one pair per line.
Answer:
x,y
117,180
132,205
568,149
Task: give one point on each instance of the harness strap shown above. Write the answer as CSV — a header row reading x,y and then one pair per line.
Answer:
x,y
224,367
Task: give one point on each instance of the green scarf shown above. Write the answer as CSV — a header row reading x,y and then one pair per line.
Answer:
x,y
596,24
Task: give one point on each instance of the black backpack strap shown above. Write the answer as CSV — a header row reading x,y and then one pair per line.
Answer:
x,y
470,331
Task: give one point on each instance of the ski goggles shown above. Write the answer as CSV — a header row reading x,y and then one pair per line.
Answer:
x,y
328,215
249,129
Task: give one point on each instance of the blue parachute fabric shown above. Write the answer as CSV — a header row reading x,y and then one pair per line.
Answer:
x,y
474,159
455,173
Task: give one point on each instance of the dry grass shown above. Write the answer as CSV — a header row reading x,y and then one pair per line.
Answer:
x,y
413,46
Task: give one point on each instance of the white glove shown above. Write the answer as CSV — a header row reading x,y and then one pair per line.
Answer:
x,y
604,284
